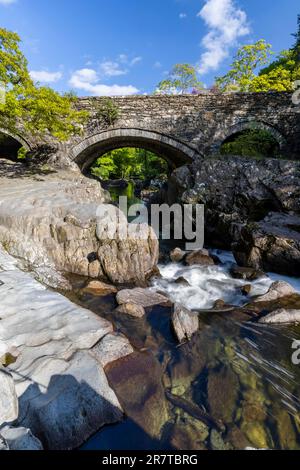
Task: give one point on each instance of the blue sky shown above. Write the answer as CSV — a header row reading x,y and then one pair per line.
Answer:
x,y
113,47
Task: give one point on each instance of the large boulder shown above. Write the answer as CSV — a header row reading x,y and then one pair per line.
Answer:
x,y
272,244
9,408
63,221
239,193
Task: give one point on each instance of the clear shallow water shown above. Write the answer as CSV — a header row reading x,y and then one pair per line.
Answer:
x,y
237,371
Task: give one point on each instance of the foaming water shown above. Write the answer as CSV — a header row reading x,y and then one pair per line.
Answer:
x,y
206,285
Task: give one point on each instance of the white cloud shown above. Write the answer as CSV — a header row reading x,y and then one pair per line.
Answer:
x,y
7,2
157,65
45,77
182,16
89,81
111,69
227,23
135,61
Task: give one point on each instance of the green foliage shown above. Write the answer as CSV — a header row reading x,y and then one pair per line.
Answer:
x,y
41,109
22,153
280,75
182,79
129,162
251,143
108,112
247,60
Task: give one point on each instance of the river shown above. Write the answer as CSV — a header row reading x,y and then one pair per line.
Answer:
x,y
239,373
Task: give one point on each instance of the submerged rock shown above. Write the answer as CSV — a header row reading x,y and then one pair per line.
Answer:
x,y
9,408
99,289
133,310
137,380
280,316
217,442
185,323
276,291
144,297
21,439
222,393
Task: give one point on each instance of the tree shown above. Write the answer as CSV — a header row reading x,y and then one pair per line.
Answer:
x,y
40,108
182,79
280,75
247,60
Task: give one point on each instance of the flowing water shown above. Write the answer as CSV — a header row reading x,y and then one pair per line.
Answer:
x,y
232,386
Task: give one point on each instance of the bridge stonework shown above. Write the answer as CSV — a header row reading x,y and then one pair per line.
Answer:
x,y
180,128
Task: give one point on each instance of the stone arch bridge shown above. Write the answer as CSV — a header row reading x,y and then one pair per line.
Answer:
x,y
179,128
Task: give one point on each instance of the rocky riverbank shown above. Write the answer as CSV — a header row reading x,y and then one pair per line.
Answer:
x,y
50,222
53,383
252,208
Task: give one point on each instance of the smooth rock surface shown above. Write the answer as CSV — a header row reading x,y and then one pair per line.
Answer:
x,y
20,439
111,348
3,444
282,316
9,407
62,221
133,310
185,323
277,290
63,393
99,289
144,297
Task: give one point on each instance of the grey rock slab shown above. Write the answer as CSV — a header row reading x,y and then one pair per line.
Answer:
x,y
20,439
62,390
68,401
282,316
144,297
276,291
3,444
8,399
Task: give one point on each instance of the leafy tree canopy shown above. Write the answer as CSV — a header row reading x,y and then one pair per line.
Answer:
x,y
129,162
280,75
182,79
247,60
40,108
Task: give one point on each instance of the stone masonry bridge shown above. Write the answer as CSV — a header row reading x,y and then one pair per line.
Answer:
x,y
179,128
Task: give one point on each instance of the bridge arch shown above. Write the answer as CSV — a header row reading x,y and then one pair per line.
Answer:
x,y
225,133
16,137
175,152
